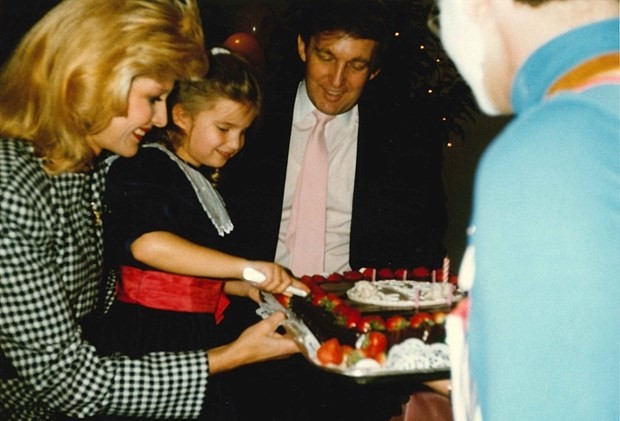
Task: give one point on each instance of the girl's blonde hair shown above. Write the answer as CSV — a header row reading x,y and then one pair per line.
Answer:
x,y
71,73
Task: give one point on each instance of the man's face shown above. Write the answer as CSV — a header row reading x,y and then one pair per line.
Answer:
x,y
337,69
465,43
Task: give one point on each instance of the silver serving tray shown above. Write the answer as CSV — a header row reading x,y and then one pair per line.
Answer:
x,y
411,360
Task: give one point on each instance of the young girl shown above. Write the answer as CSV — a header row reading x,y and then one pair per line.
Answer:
x,y
164,222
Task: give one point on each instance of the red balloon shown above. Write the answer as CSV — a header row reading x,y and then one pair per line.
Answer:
x,y
247,47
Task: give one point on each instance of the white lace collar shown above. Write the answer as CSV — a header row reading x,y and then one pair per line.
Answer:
x,y
209,198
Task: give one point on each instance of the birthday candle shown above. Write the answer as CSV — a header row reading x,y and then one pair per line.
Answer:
x,y
446,268
434,275
417,298
374,275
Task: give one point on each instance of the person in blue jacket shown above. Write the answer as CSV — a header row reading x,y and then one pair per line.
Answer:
x,y
543,259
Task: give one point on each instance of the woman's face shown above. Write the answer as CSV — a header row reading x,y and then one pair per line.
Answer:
x,y
215,134
146,107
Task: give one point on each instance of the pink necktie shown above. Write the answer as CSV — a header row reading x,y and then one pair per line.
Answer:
x,y
305,237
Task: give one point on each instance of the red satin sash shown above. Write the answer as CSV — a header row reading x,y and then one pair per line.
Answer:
x,y
167,291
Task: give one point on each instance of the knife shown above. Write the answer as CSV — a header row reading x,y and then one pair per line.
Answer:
x,y
253,275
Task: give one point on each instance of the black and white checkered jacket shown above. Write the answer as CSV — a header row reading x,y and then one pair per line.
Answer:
x,y
50,267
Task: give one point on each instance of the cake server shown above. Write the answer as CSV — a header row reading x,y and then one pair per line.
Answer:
x,y
253,275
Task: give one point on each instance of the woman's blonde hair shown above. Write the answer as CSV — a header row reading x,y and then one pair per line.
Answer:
x,y
71,73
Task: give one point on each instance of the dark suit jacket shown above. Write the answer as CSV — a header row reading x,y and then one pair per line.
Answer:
x,y
399,215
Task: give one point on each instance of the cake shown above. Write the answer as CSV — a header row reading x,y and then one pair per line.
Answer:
x,y
365,333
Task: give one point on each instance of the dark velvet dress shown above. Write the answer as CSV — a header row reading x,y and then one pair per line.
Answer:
x,y
148,193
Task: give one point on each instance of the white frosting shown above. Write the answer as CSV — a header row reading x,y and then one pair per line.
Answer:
x,y
399,293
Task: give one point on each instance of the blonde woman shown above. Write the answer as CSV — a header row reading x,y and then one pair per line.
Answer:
x,y
90,76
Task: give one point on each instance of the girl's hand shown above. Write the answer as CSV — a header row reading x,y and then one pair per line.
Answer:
x,y
277,277
242,289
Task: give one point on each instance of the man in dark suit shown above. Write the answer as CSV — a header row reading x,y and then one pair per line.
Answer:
x,y
385,193
385,200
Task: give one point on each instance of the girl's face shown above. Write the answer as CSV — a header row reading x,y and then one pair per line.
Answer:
x,y
215,134
146,107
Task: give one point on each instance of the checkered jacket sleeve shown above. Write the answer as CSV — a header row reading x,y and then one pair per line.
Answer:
x,y
50,266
